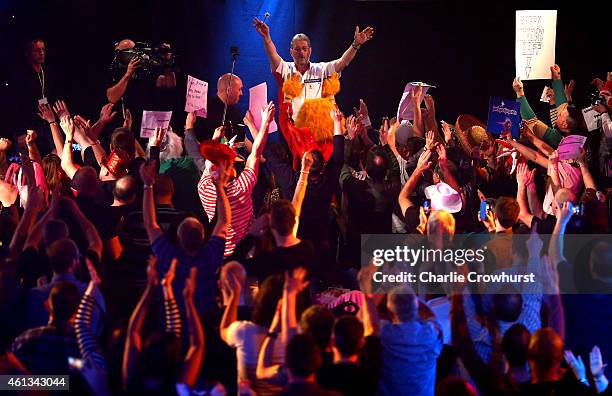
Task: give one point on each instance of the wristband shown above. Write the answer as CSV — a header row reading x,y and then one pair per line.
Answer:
x,y
53,122
148,186
272,334
355,46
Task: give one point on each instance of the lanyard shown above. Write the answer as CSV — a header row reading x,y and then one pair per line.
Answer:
x,y
41,80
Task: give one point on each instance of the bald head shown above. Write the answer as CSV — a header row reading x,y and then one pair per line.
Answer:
x,y
125,44
85,181
125,190
235,91
190,235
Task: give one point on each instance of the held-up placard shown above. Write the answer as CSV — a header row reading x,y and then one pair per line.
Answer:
x,y
405,110
535,43
196,99
152,120
258,99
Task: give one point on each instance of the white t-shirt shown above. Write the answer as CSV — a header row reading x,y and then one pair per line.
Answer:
x,y
247,337
312,80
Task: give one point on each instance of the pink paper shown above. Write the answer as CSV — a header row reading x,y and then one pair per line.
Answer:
x,y
258,100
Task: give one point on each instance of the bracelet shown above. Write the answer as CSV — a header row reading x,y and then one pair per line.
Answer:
x,y
355,46
305,172
68,142
148,186
272,334
53,122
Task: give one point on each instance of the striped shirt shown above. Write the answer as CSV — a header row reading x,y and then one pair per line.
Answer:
x,y
239,196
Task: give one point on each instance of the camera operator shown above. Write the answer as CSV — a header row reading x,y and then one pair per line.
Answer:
x,y
137,88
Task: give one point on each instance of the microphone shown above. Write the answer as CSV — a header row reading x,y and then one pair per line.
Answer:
x,y
266,16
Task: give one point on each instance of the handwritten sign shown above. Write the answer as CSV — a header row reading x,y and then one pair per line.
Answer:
x,y
570,146
258,99
405,110
196,99
152,120
535,43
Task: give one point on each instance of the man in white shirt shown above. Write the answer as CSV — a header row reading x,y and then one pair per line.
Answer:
x,y
312,74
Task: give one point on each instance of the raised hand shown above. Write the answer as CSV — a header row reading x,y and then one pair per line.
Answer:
x,y
158,137
30,137
363,36
60,109
336,115
417,95
134,64
219,133
524,177
307,160
596,362
577,365
45,112
569,88
383,132
67,125
267,114
231,284
565,211
107,114
82,124
517,85
555,72
262,28
448,132
295,282
190,284
148,172
363,109
191,119
488,221
430,140
550,273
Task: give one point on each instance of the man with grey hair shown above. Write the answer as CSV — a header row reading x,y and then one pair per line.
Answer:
x,y
312,74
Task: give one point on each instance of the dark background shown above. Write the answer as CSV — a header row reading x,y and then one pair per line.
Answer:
x,y
467,51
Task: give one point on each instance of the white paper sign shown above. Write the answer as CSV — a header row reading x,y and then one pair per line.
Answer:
x,y
405,110
591,117
152,120
535,43
196,99
570,146
258,99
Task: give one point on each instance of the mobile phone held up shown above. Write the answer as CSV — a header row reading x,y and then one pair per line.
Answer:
x,y
427,207
484,208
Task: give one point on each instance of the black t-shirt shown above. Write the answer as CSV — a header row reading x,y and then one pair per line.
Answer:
x,y
281,259
205,127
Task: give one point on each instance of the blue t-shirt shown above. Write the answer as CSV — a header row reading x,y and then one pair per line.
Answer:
x,y
208,260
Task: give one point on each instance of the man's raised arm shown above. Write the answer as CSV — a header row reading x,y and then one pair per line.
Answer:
x,y
264,31
359,39
114,93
